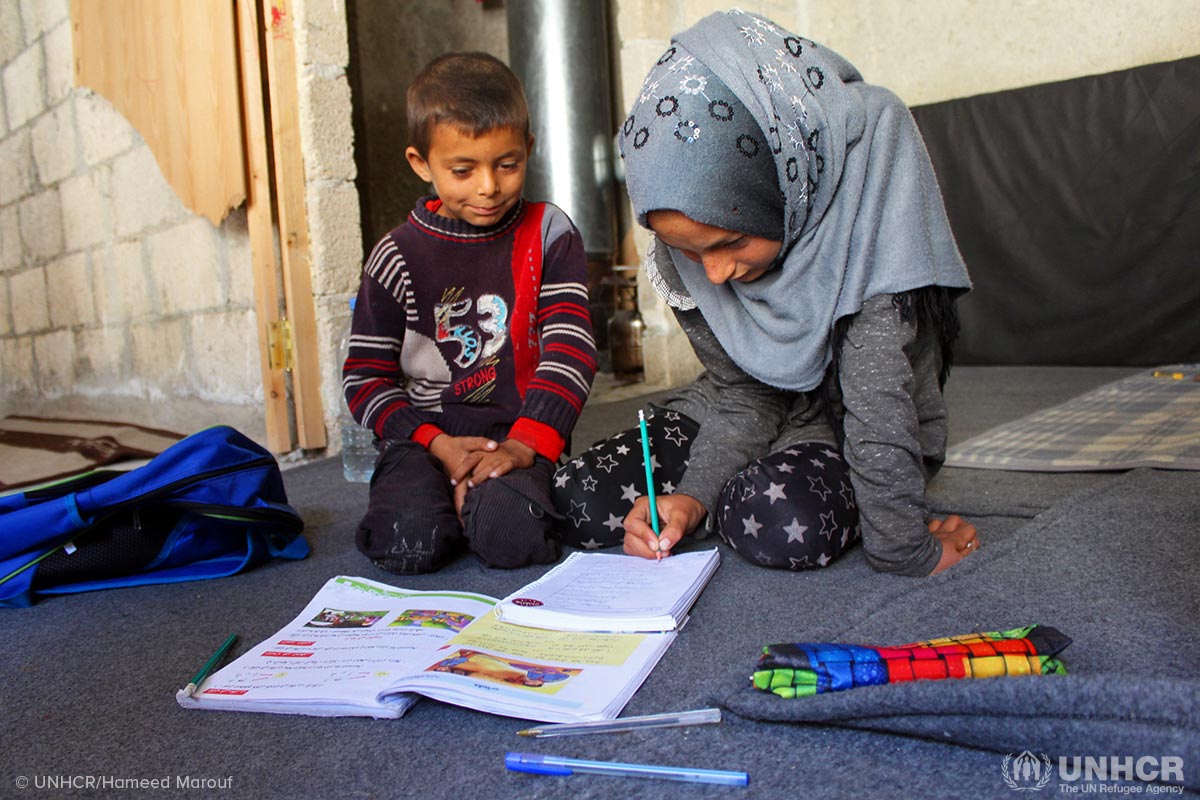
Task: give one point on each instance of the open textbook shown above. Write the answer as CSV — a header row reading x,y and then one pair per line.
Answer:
x,y
362,648
612,593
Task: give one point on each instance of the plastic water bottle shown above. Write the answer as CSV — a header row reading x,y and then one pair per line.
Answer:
x,y
358,447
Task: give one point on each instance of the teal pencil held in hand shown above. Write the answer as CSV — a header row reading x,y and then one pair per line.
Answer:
x,y
649,475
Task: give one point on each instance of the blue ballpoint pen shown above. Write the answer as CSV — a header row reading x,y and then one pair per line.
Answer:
x,y
538,764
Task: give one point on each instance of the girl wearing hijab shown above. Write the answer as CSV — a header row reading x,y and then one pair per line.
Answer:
x,y
801,241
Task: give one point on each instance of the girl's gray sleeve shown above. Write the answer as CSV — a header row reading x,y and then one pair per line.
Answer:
x,y
895,423
739,416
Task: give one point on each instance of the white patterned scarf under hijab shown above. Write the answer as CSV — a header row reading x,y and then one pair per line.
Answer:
x,y
862,213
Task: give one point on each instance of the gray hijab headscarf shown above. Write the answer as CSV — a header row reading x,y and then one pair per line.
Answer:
x,y
853,197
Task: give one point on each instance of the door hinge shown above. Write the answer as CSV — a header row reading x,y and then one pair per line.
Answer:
x,y
280,346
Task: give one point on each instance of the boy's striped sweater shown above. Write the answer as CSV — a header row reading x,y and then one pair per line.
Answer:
x,y
473,331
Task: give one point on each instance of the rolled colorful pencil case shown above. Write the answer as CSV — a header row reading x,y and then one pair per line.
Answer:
x,y
805,669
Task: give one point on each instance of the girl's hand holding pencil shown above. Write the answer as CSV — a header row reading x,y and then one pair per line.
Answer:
x,y
678,515
656,523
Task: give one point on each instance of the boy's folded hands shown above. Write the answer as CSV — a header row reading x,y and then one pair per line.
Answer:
x,y
460,454
471,460
494,462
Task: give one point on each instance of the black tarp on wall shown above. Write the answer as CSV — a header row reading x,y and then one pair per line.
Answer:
x,y
1076,205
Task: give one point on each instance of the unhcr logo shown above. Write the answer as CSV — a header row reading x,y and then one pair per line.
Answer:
x,y
1094,774
1027,772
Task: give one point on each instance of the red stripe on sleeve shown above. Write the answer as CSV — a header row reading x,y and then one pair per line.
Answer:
x,y
547,386
368,389
574,352
565,308
385,365
544,440
426,433
383,418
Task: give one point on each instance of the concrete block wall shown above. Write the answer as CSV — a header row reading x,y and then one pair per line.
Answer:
x,y
924,50
111,292
115,299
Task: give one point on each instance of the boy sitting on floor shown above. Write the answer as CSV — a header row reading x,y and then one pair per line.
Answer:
x,y
471,349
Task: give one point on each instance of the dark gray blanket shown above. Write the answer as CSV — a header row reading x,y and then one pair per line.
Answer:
x,y
1112,567
87,683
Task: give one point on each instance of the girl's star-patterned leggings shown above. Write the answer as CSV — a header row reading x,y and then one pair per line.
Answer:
x,y
793,509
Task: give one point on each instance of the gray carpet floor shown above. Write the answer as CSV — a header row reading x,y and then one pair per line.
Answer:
x,y
87,682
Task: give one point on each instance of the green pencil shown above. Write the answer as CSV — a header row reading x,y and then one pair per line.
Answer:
x,y
209,665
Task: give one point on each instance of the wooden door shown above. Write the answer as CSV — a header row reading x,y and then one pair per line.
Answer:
x,y
190,76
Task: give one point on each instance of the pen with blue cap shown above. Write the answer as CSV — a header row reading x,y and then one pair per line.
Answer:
x,y
538,764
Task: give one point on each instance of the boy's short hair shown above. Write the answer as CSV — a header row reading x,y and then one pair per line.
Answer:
x,y
475,92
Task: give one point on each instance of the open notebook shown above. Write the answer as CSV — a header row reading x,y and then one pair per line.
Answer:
x,y
612,593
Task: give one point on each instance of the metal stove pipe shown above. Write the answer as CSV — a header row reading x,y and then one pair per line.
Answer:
x,y
559,50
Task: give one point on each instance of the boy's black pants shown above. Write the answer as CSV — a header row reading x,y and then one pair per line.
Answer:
x,y
410,525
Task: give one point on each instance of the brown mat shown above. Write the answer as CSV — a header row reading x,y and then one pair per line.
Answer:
x,y
36,450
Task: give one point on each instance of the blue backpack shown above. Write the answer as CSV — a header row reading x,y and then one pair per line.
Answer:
x,y
209,506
